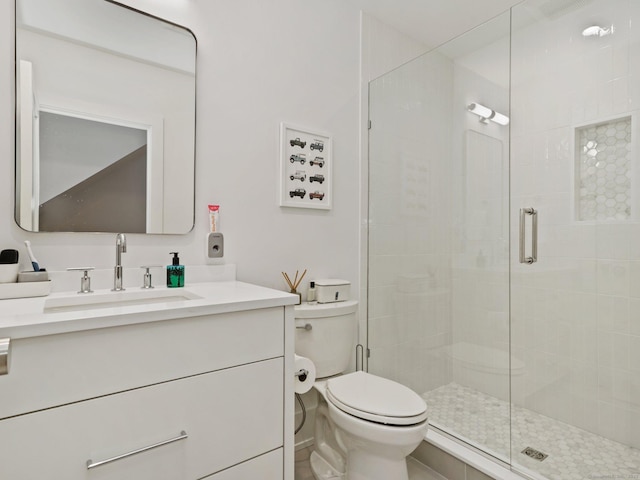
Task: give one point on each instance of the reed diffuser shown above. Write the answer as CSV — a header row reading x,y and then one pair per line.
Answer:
x,y
293,285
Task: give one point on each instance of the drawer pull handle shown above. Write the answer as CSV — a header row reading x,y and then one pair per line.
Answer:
x,y
91,464
5,352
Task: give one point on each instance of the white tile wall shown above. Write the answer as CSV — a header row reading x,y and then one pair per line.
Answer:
x,y
574,315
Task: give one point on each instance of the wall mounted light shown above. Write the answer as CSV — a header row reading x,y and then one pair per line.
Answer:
x,y
485,113
598,31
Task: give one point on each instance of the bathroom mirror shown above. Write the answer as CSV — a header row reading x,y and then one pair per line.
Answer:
x,y
105,119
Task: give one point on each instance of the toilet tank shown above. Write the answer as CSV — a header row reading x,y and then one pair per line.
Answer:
x,y
331,340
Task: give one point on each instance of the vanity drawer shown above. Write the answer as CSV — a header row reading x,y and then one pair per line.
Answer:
x,y
58,369
265,467
228,416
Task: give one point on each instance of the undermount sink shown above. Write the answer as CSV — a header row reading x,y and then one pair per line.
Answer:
x,y
125,298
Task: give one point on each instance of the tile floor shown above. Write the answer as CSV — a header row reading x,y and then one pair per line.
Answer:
x,y
573,454
417,471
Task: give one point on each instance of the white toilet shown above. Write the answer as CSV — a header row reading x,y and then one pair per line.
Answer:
x,y
365,425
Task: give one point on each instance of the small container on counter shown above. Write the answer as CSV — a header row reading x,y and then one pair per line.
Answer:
x,y
9,266
332,290
311,292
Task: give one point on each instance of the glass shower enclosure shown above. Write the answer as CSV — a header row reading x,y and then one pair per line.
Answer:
x,y
504,243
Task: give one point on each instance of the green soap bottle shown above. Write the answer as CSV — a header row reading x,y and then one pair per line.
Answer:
x,y
175,272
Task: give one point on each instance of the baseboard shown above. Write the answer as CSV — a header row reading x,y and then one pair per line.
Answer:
x,y
304,444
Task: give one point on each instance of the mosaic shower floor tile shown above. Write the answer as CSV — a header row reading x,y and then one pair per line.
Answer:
x,y
573,454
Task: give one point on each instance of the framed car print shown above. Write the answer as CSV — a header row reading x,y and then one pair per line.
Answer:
x,y
305,168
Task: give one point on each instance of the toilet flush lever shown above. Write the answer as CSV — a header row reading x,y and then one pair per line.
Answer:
x,y
306,326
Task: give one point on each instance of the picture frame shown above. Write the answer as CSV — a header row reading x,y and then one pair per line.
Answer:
x,y
306,165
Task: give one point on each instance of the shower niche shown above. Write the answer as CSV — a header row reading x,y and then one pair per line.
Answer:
x,y
604,170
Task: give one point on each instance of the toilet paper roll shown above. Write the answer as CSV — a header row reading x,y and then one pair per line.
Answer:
x,y
303,382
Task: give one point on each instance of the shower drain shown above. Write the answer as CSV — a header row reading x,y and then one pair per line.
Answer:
x,y
535,454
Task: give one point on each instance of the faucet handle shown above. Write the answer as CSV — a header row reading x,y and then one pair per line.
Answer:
x,y
147,275
85,280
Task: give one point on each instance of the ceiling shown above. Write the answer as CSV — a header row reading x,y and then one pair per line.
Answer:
x,y
433,22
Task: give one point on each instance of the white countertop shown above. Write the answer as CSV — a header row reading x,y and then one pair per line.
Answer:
x,y
25,317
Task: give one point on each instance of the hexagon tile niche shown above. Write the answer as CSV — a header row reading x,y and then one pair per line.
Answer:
x,y
603,157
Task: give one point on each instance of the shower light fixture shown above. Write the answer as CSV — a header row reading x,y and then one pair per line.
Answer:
x,y
598,31
485,113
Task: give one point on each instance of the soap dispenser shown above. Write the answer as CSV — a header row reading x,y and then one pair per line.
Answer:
x,y
175,272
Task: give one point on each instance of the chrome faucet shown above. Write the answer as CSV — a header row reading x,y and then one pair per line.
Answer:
x,y
121,247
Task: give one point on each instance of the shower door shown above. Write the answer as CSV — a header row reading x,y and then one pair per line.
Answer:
x,y
438,312
575,312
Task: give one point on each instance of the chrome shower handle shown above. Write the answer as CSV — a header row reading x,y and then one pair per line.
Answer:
x,y
534,235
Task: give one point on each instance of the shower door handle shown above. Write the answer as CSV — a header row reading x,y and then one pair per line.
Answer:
x,y
534,235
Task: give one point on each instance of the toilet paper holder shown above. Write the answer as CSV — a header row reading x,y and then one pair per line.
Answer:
x,y
304,372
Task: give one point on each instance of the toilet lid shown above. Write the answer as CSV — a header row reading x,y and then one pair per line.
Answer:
x,y
377,399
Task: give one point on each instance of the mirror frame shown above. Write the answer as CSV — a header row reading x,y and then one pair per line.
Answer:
x,y
17,129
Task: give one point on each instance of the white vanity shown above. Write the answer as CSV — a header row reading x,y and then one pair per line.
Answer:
x,y
149,388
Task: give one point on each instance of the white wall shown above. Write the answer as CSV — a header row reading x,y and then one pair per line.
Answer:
x,y
259,63
384,48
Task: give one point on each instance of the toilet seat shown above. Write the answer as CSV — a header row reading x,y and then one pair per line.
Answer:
x,y
376,399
